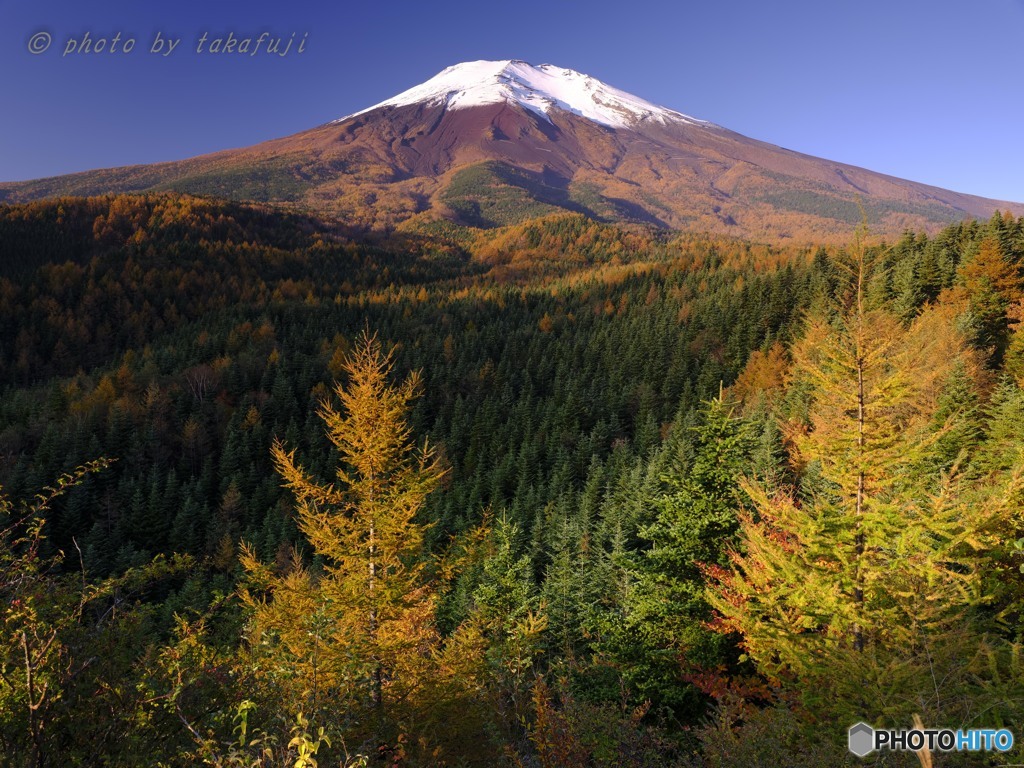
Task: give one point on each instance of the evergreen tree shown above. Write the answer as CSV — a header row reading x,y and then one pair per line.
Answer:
x,y
696,518
992,285
505,622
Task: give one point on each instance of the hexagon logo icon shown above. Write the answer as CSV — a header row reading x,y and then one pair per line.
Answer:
x,y
861,739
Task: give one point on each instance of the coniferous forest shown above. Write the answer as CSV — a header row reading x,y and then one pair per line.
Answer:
x,y
561,493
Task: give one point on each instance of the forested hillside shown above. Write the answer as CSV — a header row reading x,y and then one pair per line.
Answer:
x,y
554,494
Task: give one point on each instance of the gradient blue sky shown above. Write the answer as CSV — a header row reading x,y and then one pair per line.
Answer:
x,y
929,91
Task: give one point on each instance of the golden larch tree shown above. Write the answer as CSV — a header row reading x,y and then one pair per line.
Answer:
x,y
357,629
857,580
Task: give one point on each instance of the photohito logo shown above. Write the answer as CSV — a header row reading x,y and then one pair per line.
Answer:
x,y
862,739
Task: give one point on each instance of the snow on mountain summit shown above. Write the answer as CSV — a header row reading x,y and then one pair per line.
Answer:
x,y
537,88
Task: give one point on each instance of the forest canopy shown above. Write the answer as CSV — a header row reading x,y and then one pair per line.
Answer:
x,y
561,493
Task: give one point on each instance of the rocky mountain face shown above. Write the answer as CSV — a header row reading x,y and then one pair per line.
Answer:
x,y
492,143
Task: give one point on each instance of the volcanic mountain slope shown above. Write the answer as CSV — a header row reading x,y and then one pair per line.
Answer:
x,y
490,143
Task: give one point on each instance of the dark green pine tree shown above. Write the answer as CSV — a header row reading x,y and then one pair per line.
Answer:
x,y
695,520
1004,416
958,418
564,588
505,603
993,283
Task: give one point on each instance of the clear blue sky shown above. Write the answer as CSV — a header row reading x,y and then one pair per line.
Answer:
x,y
927,90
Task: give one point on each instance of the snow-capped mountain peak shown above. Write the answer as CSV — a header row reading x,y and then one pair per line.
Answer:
x,y
540,89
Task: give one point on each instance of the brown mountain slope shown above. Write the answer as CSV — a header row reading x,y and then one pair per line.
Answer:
x,y
499,163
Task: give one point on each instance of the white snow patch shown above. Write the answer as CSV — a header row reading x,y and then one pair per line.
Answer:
x,y
539,89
